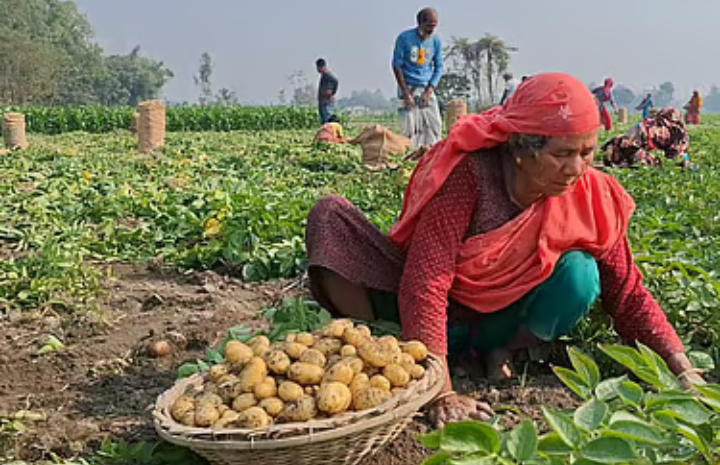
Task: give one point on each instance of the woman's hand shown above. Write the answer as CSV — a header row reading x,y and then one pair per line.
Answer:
x,y
680,364
451,407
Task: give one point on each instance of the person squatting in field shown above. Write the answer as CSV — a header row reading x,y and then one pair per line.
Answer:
x,y
417,64
332,131
506,238
604,95
664,131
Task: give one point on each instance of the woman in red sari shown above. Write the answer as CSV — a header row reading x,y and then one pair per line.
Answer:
x,y
506,236
604,95
692,108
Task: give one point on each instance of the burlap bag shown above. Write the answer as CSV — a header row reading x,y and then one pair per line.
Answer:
x,y
151,126
455,109
13,130
377,142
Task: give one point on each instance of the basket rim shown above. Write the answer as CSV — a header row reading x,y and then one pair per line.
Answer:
x,y
397,407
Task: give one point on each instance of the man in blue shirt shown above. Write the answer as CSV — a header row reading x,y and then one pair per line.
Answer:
x,y
327,88
418,66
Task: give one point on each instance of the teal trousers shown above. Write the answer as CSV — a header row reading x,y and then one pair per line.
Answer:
x,y
549,311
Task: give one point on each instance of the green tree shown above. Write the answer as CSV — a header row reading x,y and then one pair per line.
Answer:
x,y
28,69
133,78
203,79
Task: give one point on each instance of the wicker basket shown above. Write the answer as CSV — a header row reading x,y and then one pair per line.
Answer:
x,y
342,440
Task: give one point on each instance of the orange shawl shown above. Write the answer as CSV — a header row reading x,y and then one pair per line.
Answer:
x,y
495,269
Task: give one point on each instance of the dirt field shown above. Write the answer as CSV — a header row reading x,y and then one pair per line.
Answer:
x,y
104,383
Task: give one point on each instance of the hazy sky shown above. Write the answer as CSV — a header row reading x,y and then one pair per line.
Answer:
x,y
256,45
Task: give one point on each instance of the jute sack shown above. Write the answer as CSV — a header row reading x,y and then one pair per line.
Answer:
x,y
622,115
377,142
151,125
13,130
455,109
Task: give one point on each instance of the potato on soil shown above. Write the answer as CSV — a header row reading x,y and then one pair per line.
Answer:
x,y
237,352
277,361
328,346
336,328
206,415
305,374
303,409
216,372
181,406
348,351
290,392
354,337
333,398
359,383
313,357
229,418
259,345
244,402
380,382
417,349
295,350
305,339
370,398
254,373
339,373
265,390
397,375
272,405
254,418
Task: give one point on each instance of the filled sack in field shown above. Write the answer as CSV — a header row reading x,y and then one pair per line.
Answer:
x,y
377,142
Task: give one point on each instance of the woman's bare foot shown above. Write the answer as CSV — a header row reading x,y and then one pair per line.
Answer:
x,y
498,365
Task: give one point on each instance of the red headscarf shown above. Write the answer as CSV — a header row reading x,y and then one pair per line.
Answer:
x,y
495,269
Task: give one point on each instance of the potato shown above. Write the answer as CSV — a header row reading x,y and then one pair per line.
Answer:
x,y
305,339
237,352
348,351
417,372
303,409
397,376
277,361
272,405
265,390
360,382
259,345
305,374
380,382
333,359
354,337
364,330
254,418
328,346
371,370
336,328
222,409
375,354
292,337
218,371
416,349
211,399
206,415
290,392
227,419
313,357
228,390
407,362
188,419
244,402
339,373
355,363
389,341
333,398
370,398
181,406
295,350
255,372
227,379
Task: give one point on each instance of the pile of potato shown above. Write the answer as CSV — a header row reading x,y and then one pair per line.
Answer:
x,y
308,376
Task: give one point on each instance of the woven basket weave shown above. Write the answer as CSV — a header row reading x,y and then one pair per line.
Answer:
x,y
342,440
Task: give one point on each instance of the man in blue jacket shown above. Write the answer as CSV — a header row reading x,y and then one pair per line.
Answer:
x,y
418,66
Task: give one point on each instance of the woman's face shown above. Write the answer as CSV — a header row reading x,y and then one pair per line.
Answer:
x,y
559,165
